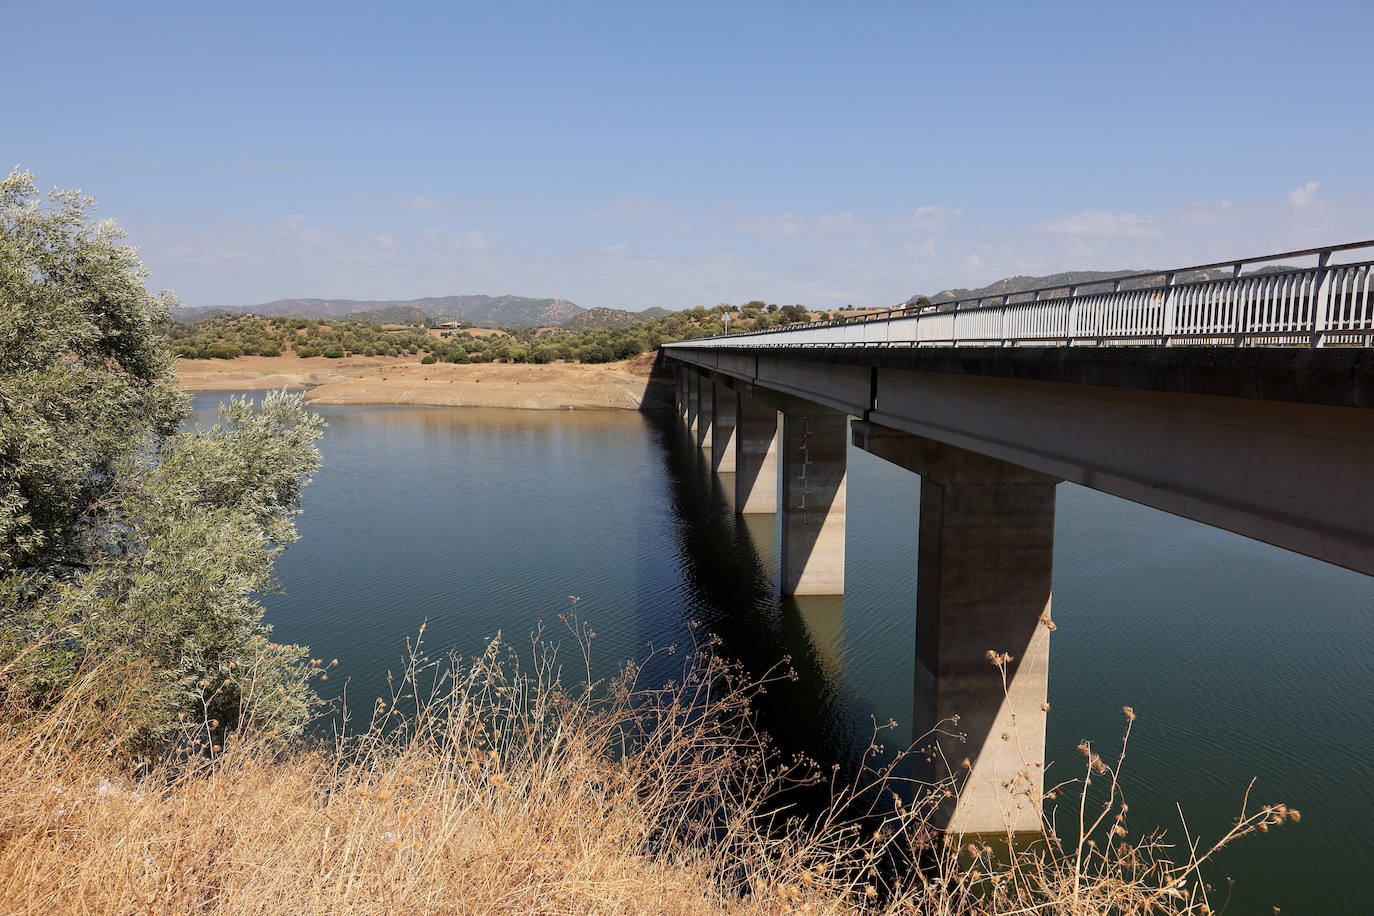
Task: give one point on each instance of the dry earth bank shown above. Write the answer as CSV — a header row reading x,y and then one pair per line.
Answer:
x,y
404,380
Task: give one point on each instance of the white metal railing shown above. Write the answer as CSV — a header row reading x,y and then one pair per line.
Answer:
x,y
1327,304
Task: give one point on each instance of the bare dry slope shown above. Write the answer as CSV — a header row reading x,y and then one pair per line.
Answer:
x,y
381,380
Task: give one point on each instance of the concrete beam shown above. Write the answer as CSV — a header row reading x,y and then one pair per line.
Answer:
x,y
1335,376
812,510
724,408
756,454
1293,475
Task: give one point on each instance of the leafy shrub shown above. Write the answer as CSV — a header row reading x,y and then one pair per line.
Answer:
x,y
122,540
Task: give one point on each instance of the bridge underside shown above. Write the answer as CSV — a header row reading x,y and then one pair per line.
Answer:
x,y
1275,452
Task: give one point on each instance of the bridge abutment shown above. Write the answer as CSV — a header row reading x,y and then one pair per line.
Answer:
x,y
812,509
983,585
756,455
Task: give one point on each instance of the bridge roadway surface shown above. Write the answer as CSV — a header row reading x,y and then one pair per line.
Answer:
x,y
1242,402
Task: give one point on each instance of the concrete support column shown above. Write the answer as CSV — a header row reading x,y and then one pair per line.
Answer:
x,y
983,582
756,455
706,410
680,378
724,408
985,562
814,441
693,390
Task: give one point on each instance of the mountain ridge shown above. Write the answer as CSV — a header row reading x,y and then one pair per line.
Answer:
x,y
488,311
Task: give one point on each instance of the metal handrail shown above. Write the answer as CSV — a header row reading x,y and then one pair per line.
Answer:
x,y
1320,305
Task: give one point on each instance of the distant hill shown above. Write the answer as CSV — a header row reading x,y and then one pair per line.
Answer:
x,y
603,318
392,314
1012,285
483,311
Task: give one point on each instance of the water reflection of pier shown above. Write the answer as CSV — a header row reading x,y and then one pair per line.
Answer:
x,y
730,564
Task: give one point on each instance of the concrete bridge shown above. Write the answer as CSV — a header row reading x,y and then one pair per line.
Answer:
x,y
1240,401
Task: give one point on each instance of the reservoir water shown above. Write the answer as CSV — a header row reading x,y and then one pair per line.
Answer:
x,y
1242,661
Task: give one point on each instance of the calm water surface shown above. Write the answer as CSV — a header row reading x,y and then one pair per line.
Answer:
x,y
1241,660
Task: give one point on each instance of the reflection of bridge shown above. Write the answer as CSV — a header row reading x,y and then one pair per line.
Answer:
x,y
1255,426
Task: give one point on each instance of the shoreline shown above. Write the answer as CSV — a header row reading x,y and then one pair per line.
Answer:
x,y
400,381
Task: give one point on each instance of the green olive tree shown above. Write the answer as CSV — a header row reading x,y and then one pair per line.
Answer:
x,y
126,543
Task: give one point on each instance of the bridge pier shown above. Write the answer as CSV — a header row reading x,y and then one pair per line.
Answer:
x,y
693,389
983,584
680,387
812,509
756,455
706,409
724,408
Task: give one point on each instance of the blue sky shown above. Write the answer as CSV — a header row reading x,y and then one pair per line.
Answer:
x,y
645,154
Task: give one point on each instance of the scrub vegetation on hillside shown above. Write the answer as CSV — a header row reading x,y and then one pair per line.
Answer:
x,y
155,739
226,337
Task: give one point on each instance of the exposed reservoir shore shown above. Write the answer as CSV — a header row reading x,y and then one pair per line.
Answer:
x,y
404,380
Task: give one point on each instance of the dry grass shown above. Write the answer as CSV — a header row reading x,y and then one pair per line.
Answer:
x,y
502,789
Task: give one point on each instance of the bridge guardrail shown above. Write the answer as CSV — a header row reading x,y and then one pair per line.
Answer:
x,y
1329,304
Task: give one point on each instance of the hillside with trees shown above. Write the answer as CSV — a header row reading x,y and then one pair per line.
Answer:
x,y
484,311
603,318
230,336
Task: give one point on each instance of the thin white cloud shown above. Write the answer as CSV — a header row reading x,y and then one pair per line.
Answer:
x,y
634,208
476,240
929,218
1099,224
191,254
296,227
1303,196
421,202
920,247
789,225
845,222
